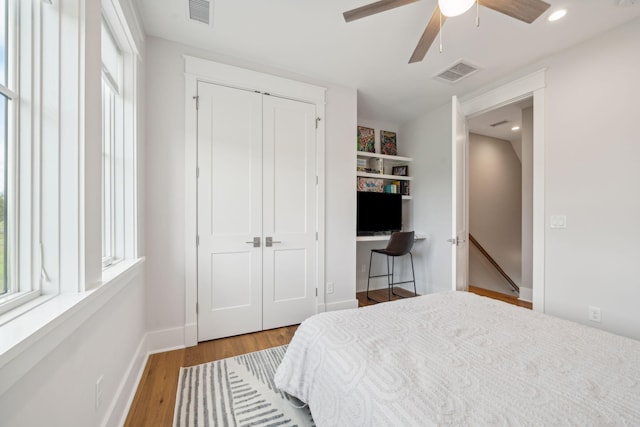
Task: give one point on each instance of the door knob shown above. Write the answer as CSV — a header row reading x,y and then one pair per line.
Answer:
x,y
255,242
269,241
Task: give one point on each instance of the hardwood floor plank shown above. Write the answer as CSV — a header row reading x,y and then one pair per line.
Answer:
x,y
502,297
380,295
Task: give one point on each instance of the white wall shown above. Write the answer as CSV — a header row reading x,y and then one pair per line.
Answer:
x,y
592,176
495,200
165,160
428,140
60,389
340,201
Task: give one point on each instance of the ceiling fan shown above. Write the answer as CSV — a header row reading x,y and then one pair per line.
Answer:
x,y
524,10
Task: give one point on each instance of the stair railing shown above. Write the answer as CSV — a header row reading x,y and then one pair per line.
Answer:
x,y
494,263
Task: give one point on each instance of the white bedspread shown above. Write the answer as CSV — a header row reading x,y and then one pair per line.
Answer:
x,y
460,359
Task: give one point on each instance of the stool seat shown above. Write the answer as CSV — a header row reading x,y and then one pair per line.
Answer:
x,y
400,244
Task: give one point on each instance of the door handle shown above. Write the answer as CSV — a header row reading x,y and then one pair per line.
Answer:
x,y
456,241
255,242
269,241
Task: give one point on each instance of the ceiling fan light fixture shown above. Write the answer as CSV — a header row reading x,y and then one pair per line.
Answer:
x,y
558,14
451,8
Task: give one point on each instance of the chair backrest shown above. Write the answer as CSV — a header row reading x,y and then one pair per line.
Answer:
x,y
400,243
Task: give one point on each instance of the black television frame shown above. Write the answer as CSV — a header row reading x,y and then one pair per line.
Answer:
x,y
378,213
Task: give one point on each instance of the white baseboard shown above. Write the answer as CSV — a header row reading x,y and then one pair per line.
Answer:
x,y
152,342
166,340
526,294
342,305
119,409
191,334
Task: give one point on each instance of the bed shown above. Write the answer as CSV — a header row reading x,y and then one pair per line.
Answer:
x,y
456,358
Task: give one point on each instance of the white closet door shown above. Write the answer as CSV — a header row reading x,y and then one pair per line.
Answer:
x,y
229,211
289,211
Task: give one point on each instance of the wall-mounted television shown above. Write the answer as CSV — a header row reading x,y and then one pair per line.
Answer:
x,y
378,213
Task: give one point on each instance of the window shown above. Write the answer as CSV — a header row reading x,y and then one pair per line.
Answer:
x,y
4,120
49,166
111,135
8,98
118,142
20,259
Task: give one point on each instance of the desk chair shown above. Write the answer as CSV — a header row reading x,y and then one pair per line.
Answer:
x,y
399,244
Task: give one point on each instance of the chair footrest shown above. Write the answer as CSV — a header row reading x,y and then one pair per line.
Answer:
x,y
380,275
399,283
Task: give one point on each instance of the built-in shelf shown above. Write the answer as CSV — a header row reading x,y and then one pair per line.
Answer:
x,y
384,163
399,159
383,176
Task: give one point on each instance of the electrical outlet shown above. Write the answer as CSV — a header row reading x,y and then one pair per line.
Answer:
x,y
99,391
594,314
329,287
363,268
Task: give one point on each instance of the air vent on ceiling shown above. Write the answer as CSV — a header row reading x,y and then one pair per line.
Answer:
x,y
623,3
199,10
458,71
500,123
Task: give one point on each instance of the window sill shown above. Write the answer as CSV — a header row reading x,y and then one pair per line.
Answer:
x,y
53,320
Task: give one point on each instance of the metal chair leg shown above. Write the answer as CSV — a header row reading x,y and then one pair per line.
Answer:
x,y
389,280
369,278
413,273
393,270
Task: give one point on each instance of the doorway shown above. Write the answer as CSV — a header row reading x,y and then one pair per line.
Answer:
x,y
500,199
531,86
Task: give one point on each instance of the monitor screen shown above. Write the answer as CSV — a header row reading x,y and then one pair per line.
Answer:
x,y
379,212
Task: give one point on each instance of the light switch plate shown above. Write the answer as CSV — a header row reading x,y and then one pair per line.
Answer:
x,y
558,221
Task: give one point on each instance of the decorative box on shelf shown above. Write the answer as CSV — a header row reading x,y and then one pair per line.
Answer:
x,y
370,184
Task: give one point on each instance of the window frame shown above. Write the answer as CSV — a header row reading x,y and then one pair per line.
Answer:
x,y
24,258
122,83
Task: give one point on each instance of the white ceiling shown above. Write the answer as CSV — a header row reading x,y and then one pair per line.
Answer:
x,y
311,38
511,114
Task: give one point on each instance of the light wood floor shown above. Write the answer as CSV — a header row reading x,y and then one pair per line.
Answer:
x,y
156,395
155,398
499,296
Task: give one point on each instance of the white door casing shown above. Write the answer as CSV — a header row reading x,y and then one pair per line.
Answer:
x,y
229,196
202,70
460,208
289,212
524,87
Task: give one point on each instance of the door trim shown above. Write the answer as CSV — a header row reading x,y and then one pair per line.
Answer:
x,y
531,85
197,69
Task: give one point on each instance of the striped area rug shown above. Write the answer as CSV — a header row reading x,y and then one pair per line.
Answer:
x,y
238,391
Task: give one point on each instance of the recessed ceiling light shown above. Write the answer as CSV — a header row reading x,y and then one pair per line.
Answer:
x,y
515,128
558,14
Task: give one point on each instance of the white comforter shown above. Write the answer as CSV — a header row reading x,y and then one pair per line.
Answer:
x,y
460,359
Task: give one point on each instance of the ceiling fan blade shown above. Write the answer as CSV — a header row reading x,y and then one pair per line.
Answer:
x,y
429,35
373,8
524,10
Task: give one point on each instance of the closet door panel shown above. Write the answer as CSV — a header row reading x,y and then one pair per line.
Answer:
x,y
229,211
289,211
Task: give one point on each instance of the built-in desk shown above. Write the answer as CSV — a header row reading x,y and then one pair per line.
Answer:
x,y
383,237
